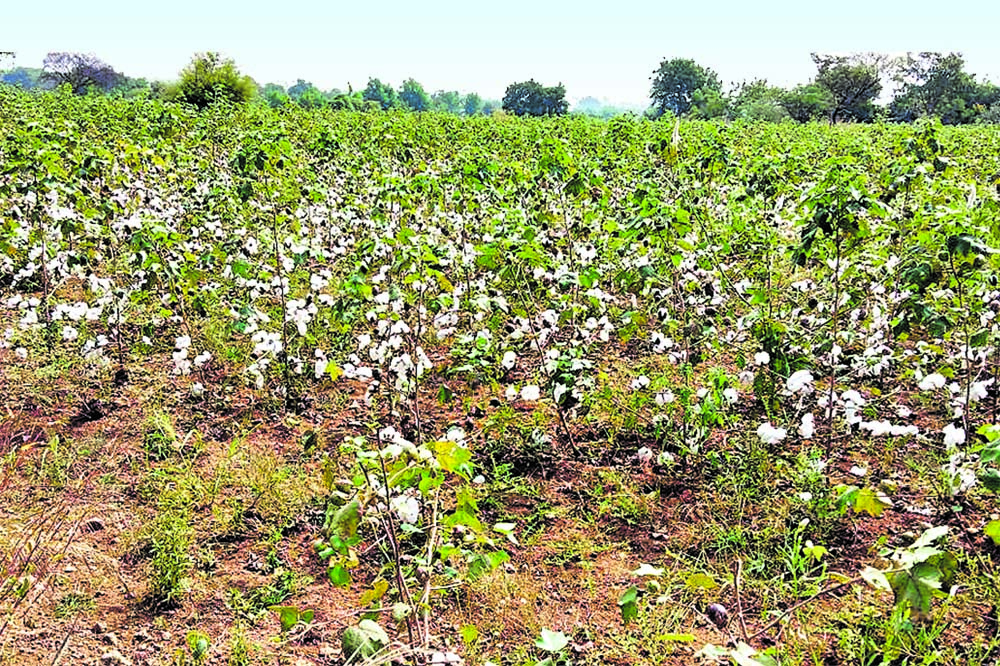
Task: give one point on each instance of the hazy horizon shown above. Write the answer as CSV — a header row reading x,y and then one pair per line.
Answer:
x,y
449,45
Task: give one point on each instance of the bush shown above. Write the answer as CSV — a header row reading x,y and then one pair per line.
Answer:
x,y
210,78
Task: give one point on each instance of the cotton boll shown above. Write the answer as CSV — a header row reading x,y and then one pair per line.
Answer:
x,y
530,393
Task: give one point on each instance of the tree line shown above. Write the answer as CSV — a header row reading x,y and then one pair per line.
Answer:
x,y
845,88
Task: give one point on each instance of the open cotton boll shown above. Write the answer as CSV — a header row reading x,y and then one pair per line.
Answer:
x,y
807,428
531,392
508,360
953,436
761,358
931,382
801,381
769,434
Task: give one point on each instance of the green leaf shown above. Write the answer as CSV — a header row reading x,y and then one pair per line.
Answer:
x,y
346,520
288,616
990,478
629,604
992,530
362,641
552,641
339,576
676,638
876,578
870,502
701,581
469,634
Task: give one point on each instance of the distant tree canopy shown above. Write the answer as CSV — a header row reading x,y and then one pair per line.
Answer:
x,y
530,98
449,101
472,104
22,77
81,71
211,78
675,83
413,95
380,93
809,102
275,95
938,85
853,81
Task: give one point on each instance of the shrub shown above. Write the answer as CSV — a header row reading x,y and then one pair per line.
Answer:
x,y
210,78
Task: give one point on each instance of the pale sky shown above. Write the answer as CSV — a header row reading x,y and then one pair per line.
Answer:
x,y
606,50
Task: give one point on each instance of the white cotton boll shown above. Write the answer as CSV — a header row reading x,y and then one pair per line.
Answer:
x,y
511,393
508,360
807,428
953,436
801,381
69,333
931,382
761,358
701,393
21,353
645,454
406,508
731,395
559,391
852,397
183,342
319,369
769,434
531,392
665,398
202,358
640,382
197,389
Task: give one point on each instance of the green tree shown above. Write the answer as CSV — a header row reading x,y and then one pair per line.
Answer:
x,y
275,95
211,78
757,100
473,104
449,101
938,85
381,94
413,95
854,81
675,83
530,98
808,102
22,77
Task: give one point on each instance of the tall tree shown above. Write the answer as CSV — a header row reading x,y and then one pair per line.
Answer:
x,y
381,94
854,81
808,102
530,98
938,85
675,83
275,95
413,95
211,78
449,101
473,104
81,71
